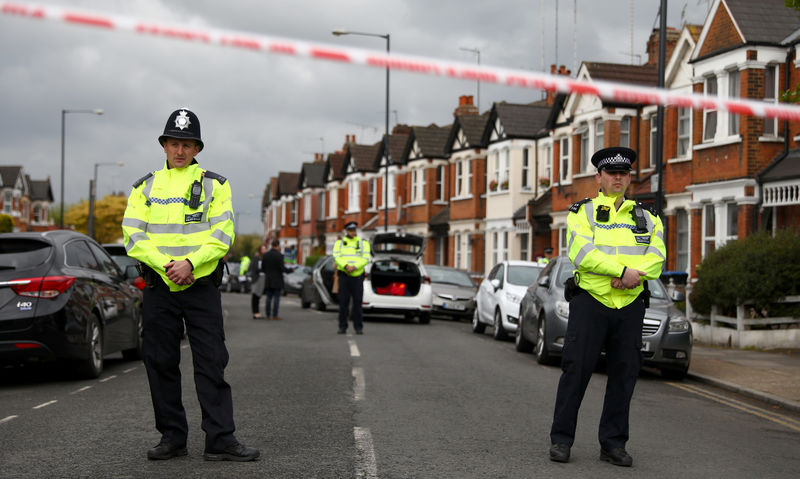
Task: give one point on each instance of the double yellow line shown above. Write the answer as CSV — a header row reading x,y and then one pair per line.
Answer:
x,y
787,421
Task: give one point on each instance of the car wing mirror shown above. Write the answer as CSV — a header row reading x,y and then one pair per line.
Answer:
x,y
544,281
495,283
677,296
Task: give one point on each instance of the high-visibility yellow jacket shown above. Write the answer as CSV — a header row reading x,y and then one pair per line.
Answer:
x,y
354,251
159,226
600,250
244,265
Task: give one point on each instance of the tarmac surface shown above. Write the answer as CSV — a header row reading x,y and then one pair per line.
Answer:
x,y
769,376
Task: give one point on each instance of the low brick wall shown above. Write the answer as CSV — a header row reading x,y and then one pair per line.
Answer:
x,y
760,339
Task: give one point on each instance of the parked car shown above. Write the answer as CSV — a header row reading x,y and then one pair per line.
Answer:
x,y
230,278
125,262
317,288
499,295
62,297
666,335
453,292
395,281
293,281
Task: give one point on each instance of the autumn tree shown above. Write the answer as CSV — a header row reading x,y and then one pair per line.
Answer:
x,y
108,214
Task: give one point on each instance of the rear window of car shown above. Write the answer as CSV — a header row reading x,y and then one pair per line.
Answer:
x,y
523,275
403,248
19,253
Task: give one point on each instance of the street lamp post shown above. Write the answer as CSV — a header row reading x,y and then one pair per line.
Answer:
x,y
93,194
387,156
96,111
477,52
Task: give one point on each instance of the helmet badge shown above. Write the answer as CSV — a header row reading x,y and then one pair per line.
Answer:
x,y
182,121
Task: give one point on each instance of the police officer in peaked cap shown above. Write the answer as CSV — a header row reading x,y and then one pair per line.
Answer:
x,y
615,245
179,225
351,255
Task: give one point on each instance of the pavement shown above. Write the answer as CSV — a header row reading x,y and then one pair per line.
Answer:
x,y
769,376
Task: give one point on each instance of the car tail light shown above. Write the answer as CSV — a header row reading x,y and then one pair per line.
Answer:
x,y
43,287
139,283
426,279
27,345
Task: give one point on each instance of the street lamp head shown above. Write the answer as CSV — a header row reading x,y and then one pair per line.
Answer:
x,y
340,31
97,111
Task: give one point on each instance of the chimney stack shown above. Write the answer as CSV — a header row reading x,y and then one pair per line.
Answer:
x,y
562,70
465,106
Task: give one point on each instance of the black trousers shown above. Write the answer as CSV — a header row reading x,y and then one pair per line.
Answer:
x,y
350,287
164,314
592,327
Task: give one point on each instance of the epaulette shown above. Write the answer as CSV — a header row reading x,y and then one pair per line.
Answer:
x,y
649,208
215,176
142,180
577,206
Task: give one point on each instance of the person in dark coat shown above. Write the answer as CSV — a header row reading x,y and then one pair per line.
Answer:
x,y
273,267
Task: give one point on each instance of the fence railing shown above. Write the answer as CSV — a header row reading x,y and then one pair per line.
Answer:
x,y
743,321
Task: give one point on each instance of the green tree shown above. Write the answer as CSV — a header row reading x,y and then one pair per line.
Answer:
x,y
6,224
245,245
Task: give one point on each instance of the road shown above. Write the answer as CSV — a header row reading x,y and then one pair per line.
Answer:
x,y
402,401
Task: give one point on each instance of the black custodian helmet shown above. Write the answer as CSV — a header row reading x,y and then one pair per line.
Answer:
x,y
183,124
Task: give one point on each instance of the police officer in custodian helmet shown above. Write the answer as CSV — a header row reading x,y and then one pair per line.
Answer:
x,y
615,245
179,225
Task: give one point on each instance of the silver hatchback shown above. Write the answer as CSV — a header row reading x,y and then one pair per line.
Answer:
x,y
666,335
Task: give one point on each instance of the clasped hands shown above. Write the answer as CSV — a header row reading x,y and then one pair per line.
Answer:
x,y
180,272
630,279
349,268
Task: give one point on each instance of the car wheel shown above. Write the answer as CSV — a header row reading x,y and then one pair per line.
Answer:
x,y
319,303
540,350
92,365
305,304
424,318
477,326
674,374
520,342
499,333
135,353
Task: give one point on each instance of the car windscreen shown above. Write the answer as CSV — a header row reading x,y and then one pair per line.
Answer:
x,y
566,272
23,253
657,289
449,276
523,275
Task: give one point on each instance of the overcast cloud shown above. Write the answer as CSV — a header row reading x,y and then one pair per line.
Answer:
x,y
262,114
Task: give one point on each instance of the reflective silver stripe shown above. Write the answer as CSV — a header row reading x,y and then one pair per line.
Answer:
x,y
587,248
222,236
178,229
134,238
589,210
177,250
218,219
660,235
654,250
134,223
633,250
612,250
208,189
148,186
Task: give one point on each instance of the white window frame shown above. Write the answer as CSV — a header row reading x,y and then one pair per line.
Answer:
x,y
307,207
681,240
709,237
563,158
734,92
524,246
684,139
710,114
584,135
283,213
548,162
495,242
651,160
333,196
505,163
731,223
562,239
8,201
372,194
353,196
320,205
625,132
459,178
599,134
771,97
467,252
526,169
457,248
293,212
440,177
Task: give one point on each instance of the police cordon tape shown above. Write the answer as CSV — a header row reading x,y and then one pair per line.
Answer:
x,y
618,92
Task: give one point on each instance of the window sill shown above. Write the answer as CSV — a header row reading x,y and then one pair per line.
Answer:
x,y
713,144
350,212
415,203
440,202
459,198
770,139
682,159
585,174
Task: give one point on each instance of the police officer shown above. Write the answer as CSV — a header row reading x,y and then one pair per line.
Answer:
x,y
179,225
615,244
351,255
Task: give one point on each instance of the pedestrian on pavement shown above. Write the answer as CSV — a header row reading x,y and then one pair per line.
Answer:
x,y
351,255
273,267
615,244
179,224
258,281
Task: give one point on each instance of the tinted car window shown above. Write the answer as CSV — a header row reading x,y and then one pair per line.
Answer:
x,y
522,275
448,276
565,273
79,255
18,253
105,261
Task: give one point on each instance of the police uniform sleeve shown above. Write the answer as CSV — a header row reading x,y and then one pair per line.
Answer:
x,y
652,261
220,217
134,226
362,260
337,255
582,251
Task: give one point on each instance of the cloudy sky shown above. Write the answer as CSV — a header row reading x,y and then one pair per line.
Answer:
x,y
262,114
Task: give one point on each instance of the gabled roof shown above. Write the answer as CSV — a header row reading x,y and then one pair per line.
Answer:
x,y
432,140
287,183
334,167
646,75
517,121
9,175
399,146
362,157
312,175
40,190
764,21
472,126
784,167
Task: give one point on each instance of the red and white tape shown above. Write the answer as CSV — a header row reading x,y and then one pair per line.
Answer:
x,y
429,66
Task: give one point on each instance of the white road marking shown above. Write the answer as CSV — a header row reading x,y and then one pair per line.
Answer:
x,y
184,346
358,388
366,467
6,419
353,349
128,370
81,390
742,406
45,404
108,378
